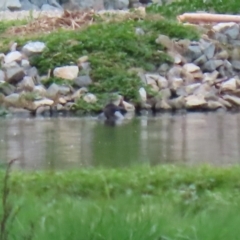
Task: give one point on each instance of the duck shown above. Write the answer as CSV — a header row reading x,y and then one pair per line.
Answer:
x,y
112,112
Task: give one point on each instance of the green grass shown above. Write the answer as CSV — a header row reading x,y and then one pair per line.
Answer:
x,y
182,6
164,202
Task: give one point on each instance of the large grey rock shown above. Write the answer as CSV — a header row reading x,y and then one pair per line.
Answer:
x,y
53,91
83,81
39,3
14,74
212,65
193,52
47,7
27,84
209,50
2,76
26,5
13,100
32,48
116,4
236,65
10,4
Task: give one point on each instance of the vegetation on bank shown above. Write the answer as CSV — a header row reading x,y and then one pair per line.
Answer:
x,y
165,202
111,183
114,50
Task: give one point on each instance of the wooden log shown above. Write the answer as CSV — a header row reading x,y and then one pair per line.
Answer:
x,y
208,17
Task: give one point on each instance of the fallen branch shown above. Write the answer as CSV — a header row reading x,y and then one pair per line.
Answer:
x,y
207,18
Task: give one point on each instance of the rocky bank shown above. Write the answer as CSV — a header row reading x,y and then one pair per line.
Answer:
x,y
204,75
58,5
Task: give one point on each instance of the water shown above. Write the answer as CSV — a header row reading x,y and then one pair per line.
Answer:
x,y
66,143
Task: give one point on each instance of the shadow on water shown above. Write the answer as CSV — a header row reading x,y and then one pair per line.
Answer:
x,y
61,143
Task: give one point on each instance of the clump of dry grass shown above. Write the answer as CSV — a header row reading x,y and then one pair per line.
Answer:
x,y
47,24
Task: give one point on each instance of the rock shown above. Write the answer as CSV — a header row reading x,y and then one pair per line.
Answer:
x,y
62,100
43,102
209,50
13,56
230,85
128,107
6,88
83,81
2,76
233,31
59,107
192,72
165,93
90,98
236,65
43,110
55,3
53,92
201,60
222,38
193,52
151,80
195,101
213,105
176,83
25,64
222,27
162,82
210,77
117,4
27,84
39,3
13,100
225,103
139,31
163,105
26,6
79,93
163,69
212,65
165,41
190,89
33,48
232,99
82,59
40,90
47,7
67,72
222,55
14,74
143,94
191,68
64,90
118,100
175,71
177,103
10,4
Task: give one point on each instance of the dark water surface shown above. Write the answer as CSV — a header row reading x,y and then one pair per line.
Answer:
x,y
64,143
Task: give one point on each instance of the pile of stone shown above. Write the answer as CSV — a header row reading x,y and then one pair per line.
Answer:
x,y
56,5
205,75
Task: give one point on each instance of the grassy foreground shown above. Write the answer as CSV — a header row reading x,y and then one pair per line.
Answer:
x,y
165,202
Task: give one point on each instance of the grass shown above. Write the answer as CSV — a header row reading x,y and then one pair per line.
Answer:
x,y
165,202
